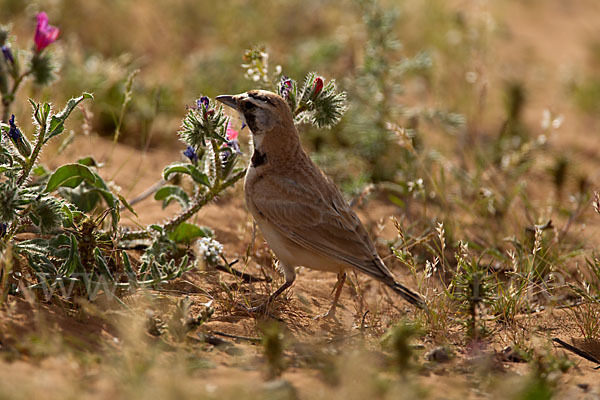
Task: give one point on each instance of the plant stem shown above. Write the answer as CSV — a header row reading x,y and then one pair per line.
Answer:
x,y
197,203
34,155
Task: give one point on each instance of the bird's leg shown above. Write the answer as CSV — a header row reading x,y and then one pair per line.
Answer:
x,y
290,277
337,289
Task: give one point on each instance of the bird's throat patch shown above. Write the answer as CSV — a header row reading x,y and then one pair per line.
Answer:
x,y
251,122
258,158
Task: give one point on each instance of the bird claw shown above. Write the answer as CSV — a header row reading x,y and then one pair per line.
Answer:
x,y
329,315
259,309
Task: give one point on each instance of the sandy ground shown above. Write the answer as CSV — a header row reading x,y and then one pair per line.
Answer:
x,y
551,34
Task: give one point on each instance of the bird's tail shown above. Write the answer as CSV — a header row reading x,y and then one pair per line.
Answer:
x,y
409,295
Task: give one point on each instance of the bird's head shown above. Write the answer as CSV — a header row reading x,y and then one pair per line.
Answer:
x,y
262,111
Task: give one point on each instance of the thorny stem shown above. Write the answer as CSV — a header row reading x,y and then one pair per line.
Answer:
x,y
34,155
199,201
298,110
217,162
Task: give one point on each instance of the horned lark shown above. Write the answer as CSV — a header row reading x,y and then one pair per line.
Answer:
x,y
299,211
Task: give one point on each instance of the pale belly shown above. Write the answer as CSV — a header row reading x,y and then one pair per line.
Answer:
x,y
293,255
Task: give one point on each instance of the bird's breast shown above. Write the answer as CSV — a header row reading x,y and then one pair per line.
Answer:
x,y
252,176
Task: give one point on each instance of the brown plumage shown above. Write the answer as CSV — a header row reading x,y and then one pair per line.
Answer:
x,y
299,211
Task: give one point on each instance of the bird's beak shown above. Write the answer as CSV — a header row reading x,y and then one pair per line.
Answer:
x,y
230,101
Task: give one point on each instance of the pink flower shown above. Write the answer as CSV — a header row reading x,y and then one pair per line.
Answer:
x,y
45,34
232,141
231,133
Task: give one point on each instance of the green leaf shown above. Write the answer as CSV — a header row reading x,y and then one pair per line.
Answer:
x,y
174,168
89,161
69,220
169,193
127,205
73,263
82,196
112,200
396,200
102,266
189,169
131,275
39,171
186,233
57,123
198,177
157,228
70,175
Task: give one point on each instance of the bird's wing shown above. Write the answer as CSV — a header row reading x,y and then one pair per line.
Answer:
x,y
317,218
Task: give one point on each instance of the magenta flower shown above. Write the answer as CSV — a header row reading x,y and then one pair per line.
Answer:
x,y
45,33
232,142
231,133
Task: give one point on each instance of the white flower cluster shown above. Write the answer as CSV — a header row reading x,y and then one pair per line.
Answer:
x,y
416,187
209,249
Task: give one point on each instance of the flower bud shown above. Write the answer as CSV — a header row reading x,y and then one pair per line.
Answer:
x,y
318,85
191,154
18,139
8,56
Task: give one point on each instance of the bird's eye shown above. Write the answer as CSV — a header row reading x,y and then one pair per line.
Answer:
x,y
247,106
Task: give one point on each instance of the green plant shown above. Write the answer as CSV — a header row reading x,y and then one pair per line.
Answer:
x,y
398,340
75,251
377,86
273,342
181,322
473,291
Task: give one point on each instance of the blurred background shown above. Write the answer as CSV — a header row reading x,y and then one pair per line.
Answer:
x,y
457,75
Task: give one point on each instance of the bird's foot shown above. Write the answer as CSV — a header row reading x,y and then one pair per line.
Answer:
x,y
328,316
259,309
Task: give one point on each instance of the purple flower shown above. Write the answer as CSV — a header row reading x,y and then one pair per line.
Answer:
x,y
230,148
285,87
202,104
45,33
18,139
235,145
8,56
14,133
191,154
3,229
202,100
